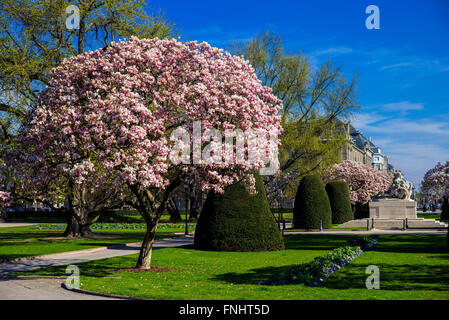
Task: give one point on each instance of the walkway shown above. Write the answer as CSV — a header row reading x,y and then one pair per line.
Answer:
x,y
74,257
50,289
40,289
16,224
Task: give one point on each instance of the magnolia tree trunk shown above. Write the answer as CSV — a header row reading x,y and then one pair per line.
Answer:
x,y
144,261
78,224
151,211
173,210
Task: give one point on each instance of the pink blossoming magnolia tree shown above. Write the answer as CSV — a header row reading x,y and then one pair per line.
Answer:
x,y
436,181
41,173
364,182
435,185
4,198
110,113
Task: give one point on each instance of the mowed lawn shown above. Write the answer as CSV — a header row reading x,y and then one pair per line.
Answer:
x,y
411,267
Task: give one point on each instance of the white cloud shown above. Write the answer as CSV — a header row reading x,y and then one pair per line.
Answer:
x,y
411,145
397,65
414,159
366,120
402,106
332,51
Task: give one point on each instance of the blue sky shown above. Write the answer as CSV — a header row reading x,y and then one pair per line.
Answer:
x,y
403,67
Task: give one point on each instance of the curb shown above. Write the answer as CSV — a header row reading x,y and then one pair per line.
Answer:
x,y
99,294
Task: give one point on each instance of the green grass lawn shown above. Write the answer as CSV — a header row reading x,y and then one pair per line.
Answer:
x,y
428,216
411,267
20,244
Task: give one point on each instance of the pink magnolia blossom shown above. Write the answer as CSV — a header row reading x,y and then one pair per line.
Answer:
x,y
4,196
115,108
364,182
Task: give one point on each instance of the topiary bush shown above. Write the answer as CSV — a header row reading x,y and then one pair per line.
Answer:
x,y
339,198
311,205
238,221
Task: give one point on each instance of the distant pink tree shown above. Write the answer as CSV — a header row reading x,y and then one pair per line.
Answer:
x,y
364,182
108,115
5,198
436,181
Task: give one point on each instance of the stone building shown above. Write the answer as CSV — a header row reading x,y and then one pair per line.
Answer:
x,y
357,148
360,149
380,161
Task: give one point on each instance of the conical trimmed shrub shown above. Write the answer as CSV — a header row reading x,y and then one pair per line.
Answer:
x,y
339,198
312,205
238,221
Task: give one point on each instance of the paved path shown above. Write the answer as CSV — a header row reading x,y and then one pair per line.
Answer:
x,y
50,289
74,257
40,289
16,224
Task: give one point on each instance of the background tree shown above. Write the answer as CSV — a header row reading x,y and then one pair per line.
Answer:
x,y
314,102
45,168
34,39
364,182
435,185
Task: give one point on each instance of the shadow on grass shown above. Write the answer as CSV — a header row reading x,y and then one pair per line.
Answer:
x,y
255,276
392,277
27,235
315,242
407,243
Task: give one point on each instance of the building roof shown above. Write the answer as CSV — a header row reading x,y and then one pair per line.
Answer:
x,y
359,139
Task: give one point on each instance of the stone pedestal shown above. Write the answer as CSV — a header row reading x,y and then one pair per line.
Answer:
x,y
392,209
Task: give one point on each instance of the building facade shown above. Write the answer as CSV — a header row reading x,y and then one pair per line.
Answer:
x,y
360,149
357,147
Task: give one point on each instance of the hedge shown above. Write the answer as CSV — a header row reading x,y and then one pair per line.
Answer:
x,y
312,206
339,198
238,221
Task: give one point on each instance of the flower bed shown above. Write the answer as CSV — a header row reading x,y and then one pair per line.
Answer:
x,y
364,242
316,271
113,226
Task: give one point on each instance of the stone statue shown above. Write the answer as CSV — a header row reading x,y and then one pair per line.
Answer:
x,y
400,188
